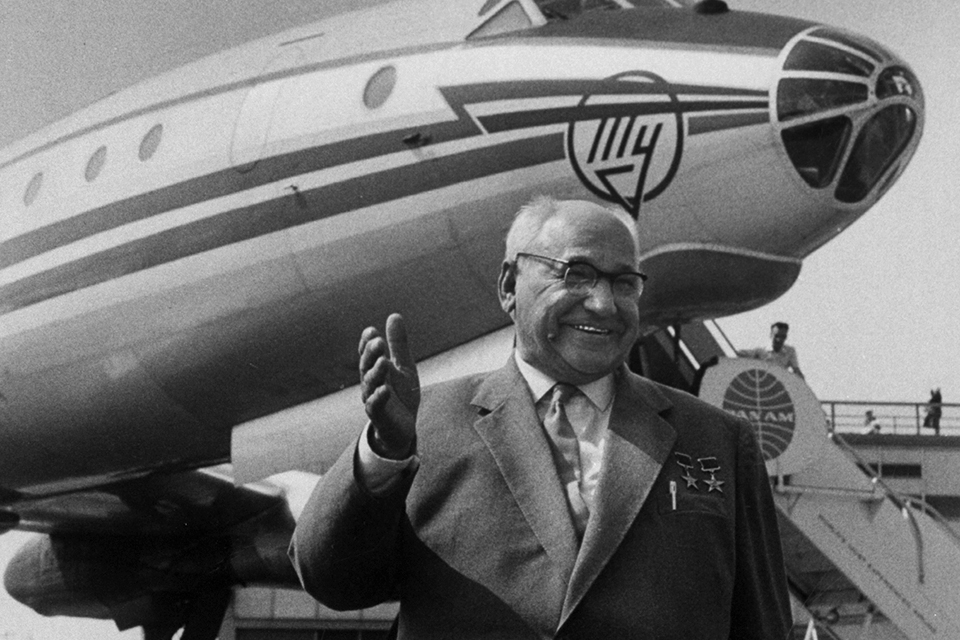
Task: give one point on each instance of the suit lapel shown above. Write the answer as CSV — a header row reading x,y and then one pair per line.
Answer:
x,y
509,427
638,443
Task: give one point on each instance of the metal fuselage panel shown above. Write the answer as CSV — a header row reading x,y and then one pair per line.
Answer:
x,y
227,275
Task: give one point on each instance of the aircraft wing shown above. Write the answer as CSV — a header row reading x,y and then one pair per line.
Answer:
x,y
154,550
185,503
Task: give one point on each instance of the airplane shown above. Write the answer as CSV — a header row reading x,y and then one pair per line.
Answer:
x,y
186,265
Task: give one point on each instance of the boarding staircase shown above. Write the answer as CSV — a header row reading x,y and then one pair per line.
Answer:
x,y
863,562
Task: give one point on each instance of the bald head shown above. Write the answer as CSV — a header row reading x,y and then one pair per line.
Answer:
x,y
532,218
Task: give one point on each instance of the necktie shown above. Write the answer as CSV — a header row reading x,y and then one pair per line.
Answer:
x,y
566,453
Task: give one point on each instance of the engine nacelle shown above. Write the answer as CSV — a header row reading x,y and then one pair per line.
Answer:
x,y
139,582
71,577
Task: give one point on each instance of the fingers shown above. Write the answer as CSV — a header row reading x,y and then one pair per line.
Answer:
x,y
389,363
370,334
398,344
396,347
389,385
374,376
375,404
372,350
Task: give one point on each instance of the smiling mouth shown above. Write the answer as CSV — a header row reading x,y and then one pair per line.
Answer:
x,y
596,331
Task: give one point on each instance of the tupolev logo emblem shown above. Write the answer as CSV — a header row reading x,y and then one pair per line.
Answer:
x,y
630,151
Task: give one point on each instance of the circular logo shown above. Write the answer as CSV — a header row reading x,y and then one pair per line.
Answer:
x,y
627,143
759,397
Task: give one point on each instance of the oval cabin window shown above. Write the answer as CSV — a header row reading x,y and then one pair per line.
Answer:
x,y
95,164
379,87
150,142
33,188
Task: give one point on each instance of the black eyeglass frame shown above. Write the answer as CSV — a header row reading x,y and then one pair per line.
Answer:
x,y
600,273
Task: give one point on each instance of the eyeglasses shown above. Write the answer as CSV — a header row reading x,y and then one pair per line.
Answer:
x,y
581,277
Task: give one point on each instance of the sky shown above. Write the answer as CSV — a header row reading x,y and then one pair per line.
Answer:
x,y
873,315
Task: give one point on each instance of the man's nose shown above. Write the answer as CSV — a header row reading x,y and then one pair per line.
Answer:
x,y
600,299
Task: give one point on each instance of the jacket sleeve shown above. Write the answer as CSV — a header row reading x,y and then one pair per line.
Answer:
x,y
761,603
345,547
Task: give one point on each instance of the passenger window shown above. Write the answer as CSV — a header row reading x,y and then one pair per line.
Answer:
x,y
33,188
150,142
379,87
95,164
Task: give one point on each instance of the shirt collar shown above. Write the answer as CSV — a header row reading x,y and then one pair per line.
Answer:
x,y
599,392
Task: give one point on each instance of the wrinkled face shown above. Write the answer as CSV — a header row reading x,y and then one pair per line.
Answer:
x,y
778,336
575,338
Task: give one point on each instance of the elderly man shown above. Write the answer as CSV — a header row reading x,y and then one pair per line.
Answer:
x,y
560,496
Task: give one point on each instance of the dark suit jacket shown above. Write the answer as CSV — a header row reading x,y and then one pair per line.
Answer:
x,y
478,542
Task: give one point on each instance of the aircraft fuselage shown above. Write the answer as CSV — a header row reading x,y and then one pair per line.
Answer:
x,y
204,249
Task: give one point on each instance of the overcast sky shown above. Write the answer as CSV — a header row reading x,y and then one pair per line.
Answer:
x,y
874,314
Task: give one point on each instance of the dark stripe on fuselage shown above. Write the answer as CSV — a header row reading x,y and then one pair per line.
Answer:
x,y
718,122
215,185
229,181
509,121
253,221
731,30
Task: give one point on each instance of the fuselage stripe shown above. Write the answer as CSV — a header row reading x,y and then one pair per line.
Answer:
x,y
215,185
245,223
524,119
709,123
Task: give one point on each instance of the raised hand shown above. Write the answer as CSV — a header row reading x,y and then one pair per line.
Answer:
x,y
390,388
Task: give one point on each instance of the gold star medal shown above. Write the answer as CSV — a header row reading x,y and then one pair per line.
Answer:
x,y
711,466
686,462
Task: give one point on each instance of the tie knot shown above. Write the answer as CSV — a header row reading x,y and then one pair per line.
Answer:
x,y
562,392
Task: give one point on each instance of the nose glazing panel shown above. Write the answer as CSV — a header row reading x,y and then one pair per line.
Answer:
x,y
814,56
847,110
878,144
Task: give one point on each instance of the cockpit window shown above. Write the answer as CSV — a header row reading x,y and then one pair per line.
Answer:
x,y
510,17
874,52
565,9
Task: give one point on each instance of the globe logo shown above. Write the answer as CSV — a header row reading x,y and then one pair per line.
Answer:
x,y
759,397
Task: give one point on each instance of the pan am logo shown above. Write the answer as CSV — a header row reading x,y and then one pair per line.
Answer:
x,y
761,398
631,151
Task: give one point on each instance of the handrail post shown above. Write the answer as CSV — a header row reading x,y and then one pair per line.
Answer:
x,y
903,504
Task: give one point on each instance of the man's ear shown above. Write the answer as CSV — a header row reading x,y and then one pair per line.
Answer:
x,y
507,287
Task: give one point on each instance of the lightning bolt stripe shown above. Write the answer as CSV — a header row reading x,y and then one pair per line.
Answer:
x,y
229,181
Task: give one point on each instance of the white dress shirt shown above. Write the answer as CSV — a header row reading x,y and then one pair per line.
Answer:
x,y
589,415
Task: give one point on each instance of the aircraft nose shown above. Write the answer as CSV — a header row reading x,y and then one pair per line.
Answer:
x,y
849,113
